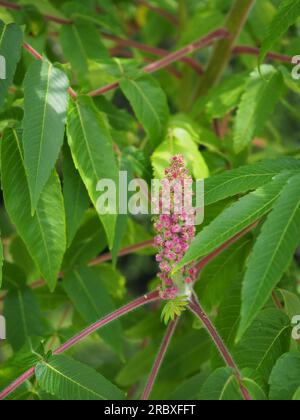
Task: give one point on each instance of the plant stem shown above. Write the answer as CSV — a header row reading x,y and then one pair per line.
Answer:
x,y
170,58
14,6
151,297
158,10
126,251
97,261
196,309
222,52
159,359
152,50
38,56
205,261
244,49
138,247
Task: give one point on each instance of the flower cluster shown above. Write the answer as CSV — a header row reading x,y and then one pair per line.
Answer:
x,y
175,232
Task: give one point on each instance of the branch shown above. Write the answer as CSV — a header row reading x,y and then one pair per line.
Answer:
x,y
244,49
159,359
196,309
203,263
97,261
171,58
152,50
159,11
38,56
222,53
14,6
138,247
151,297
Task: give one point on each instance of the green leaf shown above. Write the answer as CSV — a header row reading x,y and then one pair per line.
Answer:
x,y
81,43
179,141
23,317
92,150
264,342
173,309
11,39
181,361
262,93
92,301
45,103
272,252
68,379
296,397
89,241
223,98
287,14
227,320
1,262
189,389
234,219
291,303
218,276
285,377
112,279
44,233
246,178
76,198
221,385
150,105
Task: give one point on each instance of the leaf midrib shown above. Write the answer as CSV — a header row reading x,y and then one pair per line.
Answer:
x,y
58,372
279,243
43,129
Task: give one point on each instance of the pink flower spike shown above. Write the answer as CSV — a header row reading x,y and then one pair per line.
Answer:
x,y
176,232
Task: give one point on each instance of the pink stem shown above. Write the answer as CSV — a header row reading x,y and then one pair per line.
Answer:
x,y
126,251
152,50
33,52
38,56
151,297
159,359
11,388
171,58
195,307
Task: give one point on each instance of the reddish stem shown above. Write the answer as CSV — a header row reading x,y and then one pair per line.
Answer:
x,y
14,6
97,261
205,261
164,13
189,49
38,56
171,58
159,359
244,49
18,382
196,309
11,6
126,251
33,52
151,297
152,50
